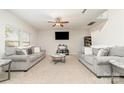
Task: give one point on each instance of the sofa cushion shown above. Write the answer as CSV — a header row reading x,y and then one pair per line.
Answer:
x,y
22,51
88,51
95,51
29,51
17,58
36,49
89,59
117,51
18,52
34,56
24,58
103,52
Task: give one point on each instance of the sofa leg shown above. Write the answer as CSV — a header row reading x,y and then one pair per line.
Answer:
x,y
99,77
25,70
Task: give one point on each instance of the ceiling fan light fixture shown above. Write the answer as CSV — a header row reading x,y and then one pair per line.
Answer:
x,y
57,24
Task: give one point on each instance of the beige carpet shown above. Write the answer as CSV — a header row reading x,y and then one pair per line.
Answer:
x,y
46,72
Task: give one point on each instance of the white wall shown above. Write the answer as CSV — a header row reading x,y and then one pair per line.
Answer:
x,y
112,33
75,42
7,18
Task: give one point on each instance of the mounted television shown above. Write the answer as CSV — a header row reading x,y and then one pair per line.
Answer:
x,y
61,35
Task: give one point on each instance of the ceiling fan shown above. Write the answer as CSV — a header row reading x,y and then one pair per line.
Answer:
x,y
58,22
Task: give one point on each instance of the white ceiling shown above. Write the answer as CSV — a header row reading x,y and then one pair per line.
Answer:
x,y
38,18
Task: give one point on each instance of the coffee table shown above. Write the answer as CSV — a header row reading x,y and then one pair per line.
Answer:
x,y
58,58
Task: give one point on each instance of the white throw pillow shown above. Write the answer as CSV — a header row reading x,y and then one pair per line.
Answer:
x,y
36,49
103,52
88,51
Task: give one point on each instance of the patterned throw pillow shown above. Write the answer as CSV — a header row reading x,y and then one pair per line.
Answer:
x,y
103,52
88,51
21,52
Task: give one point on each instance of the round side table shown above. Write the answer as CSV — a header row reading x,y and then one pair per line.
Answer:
x,y
3,63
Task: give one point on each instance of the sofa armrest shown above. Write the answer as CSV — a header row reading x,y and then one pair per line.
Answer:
x,y
18,58
103,60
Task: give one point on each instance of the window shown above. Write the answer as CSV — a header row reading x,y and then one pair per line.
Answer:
x,y
25,38
15,37
12,36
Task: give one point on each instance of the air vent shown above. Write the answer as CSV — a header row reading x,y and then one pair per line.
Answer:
x,y
91,23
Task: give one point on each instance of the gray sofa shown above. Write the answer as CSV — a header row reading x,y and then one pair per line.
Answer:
x,y
99,65
22,62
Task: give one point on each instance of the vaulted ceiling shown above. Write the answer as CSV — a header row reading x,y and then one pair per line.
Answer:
x,y
38,18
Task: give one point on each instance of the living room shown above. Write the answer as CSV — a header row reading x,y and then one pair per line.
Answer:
x,y
89,59
36,30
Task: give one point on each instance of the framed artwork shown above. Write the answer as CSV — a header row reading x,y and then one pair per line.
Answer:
x,y
12,36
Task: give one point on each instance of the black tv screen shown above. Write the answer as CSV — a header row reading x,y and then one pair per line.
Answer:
x,y
62,35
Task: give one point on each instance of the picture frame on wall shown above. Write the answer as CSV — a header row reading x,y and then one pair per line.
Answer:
x,y
12,36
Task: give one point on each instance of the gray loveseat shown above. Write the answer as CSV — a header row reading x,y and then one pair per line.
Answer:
x,y
22,62
99,65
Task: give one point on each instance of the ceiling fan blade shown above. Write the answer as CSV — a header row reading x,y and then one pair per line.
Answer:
x,y
54,25
64,22
61,25
51,22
